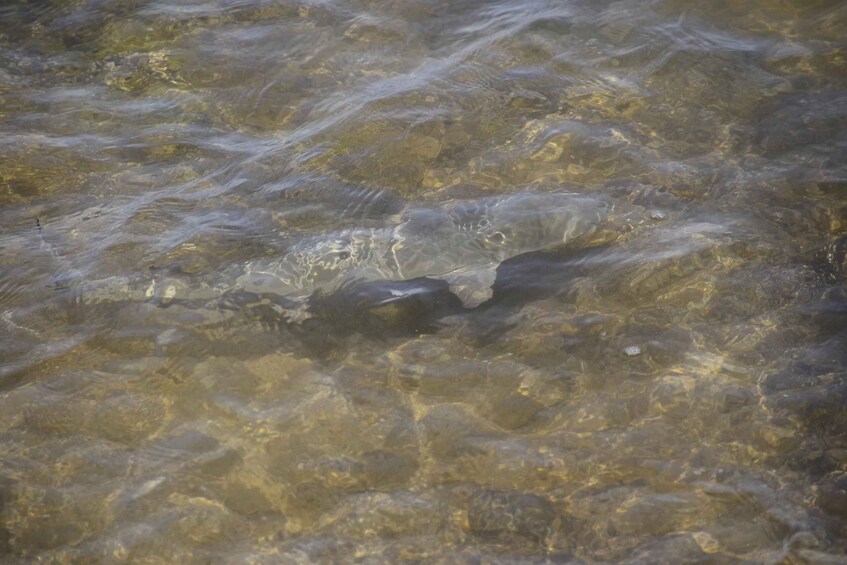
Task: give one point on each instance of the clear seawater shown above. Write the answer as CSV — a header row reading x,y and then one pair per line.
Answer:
x,y
671,388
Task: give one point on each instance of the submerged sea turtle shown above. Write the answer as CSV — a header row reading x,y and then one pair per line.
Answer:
x,y
462,244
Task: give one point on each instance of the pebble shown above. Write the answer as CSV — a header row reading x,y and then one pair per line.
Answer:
x,y
632,351
498,513
832,495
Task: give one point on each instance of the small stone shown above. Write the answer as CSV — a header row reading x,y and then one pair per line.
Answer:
x,y
632,351
497,513
735,398
803,540
832,495
706,542
383,514
836,458
383,469
658,215
246,500
812,556
514,411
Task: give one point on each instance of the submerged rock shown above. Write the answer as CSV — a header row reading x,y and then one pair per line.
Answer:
x,y
832,495
498,513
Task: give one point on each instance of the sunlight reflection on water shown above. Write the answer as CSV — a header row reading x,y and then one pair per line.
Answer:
x,y
664,383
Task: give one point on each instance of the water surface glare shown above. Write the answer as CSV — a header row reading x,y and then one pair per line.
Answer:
x,y
423,281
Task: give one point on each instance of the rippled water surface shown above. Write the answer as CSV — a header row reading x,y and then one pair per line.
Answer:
x,y
423,281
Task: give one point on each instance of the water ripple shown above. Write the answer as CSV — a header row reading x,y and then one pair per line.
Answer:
x,y
666,387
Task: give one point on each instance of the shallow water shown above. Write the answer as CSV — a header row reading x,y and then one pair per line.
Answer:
x,y
668,387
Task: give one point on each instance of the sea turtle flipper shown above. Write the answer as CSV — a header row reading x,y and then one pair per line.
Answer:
x,y
472,286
